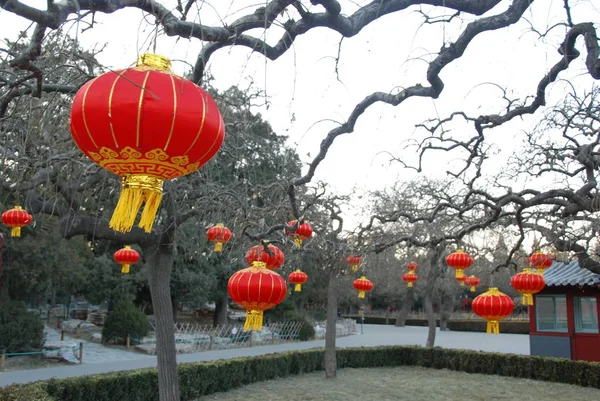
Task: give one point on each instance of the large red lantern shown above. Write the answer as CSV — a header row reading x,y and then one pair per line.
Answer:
x,y
126,257
256,289
304,231
298,278
528,283
258,254
472,282
493,306
363,285
354,262
412,266
410,278
459,260
16,218
540,261
219,234
146,125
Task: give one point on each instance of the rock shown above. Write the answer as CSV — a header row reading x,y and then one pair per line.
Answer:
x,y
97,338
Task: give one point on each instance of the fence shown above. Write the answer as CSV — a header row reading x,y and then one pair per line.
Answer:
x,y
77,351
192,337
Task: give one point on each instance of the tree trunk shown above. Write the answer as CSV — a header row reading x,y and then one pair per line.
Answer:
x,y
405,309
431,321
220,315
330,358
159,264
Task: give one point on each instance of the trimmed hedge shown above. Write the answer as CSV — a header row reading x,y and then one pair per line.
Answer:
x,y
202,378
476,325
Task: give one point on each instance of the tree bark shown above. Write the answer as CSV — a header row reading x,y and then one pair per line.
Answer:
x,y
434,272
159,263
330,358
220,315
405,309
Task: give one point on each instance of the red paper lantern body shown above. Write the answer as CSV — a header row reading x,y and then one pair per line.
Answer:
x,y
256,289
527,283
15,219
410,278
459,260
258,254
146,125
540,261
493,306
354,262
298,278
126,257
363,285
219,234
472,282
304,231
412,266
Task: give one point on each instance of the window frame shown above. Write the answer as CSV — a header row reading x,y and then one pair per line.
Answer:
x,y
577,315
554,298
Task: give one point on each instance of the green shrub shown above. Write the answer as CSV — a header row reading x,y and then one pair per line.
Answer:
x,y
20,330
125,320
203,378
307,332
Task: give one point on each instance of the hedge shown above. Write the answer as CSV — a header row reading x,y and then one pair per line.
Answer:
x,y
477,325
203,378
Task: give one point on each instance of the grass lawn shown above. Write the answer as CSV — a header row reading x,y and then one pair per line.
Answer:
x,y
405,383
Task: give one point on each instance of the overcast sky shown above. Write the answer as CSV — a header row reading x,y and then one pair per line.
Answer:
x,y
306,97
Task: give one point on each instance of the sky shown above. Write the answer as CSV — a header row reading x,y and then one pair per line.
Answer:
x,y
308,92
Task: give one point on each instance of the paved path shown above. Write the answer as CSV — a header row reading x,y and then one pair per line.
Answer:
x,y
374,335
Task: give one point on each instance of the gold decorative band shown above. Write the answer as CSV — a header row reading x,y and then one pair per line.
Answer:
x,y
155,61
143,182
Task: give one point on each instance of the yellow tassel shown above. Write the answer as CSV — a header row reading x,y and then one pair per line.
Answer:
x,y
462,283
409,284
527,299
354,268
493,327
298,287
361,294
254,320
459,273
472,289
136,190
298,242
218,247
125,269
15,232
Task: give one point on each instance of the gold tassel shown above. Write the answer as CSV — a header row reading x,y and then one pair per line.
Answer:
x,y
472,289
136,190
354,268
254,320
459,273
493,327
462,283
218,247
361,294
527,299
409,284
298,242
298,287
125,269
15,232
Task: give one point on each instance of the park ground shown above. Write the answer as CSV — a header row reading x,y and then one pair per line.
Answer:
x,y
374,335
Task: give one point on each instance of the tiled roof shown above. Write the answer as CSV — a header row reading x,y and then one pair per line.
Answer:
x,y
569,274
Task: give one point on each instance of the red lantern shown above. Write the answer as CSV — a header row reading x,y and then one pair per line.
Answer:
x,y
298,278
256,289
363,285
493,306
146,125
16,218
354,262
412,266
219,234
410,278
472,282
126,257
258,254
527,283
459,260
540,261
304,231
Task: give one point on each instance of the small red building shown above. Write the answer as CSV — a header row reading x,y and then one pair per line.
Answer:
x,y
564,318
